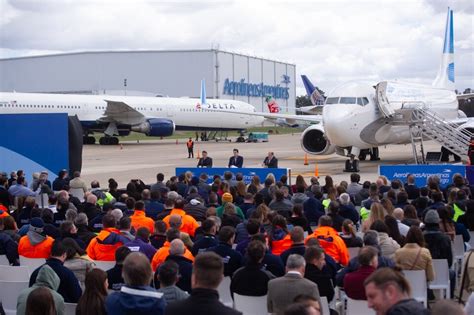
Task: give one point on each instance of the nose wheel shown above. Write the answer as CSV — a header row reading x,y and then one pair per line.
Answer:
x,y
352,165
108,141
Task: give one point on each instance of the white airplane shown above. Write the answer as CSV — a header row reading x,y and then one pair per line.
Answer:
x,y
118,115
360,116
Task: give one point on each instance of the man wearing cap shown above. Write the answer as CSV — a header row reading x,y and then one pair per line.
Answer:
x,y
35,244
205,161
227,197
236,160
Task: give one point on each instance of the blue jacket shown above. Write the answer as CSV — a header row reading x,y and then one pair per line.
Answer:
x,y
313,209
232,259
153,208
143,300
69,287
185,271
138,245
204,243
9,248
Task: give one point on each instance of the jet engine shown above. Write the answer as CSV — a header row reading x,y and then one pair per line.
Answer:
x,y
155,127
314,141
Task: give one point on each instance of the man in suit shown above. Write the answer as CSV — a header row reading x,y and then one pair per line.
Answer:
x,y
270,161
205,161
282,291
236,160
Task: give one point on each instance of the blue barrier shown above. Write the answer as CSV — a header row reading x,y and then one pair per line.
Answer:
x,y
34,143
248,173
470,174
421,172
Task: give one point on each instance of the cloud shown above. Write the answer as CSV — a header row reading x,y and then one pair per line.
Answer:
x,y
330,41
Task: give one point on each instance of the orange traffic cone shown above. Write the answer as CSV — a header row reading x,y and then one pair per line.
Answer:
x,y
199,154
306,159
316,170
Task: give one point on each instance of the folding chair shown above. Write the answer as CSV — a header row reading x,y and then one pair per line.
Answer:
x,y
14,273
42,200
419,287
250,305
324,305
32,263
4,260
104,265
224,292
358,307
441,280
70,308
457,247
9,292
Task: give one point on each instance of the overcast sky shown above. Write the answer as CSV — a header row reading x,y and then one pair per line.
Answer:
x,y
330,41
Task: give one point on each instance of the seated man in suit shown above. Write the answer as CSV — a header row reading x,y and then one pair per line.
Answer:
x,y
282,291
236,160
205,161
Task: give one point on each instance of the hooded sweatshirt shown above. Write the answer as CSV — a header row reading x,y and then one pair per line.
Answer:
x,y
46,278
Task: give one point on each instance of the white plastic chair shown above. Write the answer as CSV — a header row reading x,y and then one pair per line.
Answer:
x,y
70,308
358,307
4,260
224,292
78,193
9,292
441,280
471,240
104,265
419,287
14,273
42,200
457,247
250,305
324,305
32,263
353,252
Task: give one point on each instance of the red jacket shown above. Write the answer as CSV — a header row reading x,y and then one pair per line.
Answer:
x,y
354,282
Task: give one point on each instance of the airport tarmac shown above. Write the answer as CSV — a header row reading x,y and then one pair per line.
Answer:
x,y
144,160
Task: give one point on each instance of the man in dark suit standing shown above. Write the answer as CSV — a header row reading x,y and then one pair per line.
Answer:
x,y
236,160
205,161
282,291
270,161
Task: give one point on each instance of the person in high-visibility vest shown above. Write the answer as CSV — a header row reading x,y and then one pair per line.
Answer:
x,y
190,146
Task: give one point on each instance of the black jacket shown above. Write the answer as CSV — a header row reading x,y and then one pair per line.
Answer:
x,y
251,280
408,307
232,258
69,287
9,248
185,270
204,243
85,234
438,243
322,279
201,302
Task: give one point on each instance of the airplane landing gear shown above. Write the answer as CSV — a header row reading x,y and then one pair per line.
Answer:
x,y
109,141
88,140
374,154
352,165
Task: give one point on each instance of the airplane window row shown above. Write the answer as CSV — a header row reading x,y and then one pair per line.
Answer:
x,y
40,106
347,100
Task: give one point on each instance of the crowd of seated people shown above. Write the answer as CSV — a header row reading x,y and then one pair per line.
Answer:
x,y
267,237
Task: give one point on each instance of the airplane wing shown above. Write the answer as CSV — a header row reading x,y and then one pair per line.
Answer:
x,y
275,116
121,113
465,96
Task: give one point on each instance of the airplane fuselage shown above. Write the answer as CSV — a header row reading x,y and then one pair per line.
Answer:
x,y
186,113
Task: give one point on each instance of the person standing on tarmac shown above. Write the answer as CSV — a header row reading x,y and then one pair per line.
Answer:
x,y
190,145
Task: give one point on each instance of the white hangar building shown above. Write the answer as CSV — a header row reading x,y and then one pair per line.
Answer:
x,y
174,73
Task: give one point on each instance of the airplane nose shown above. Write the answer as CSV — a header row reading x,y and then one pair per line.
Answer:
x,y
337,122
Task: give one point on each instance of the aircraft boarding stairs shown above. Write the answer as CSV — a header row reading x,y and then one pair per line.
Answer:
x,y
424,123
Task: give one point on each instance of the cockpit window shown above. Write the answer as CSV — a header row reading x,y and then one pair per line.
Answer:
x,y
332,100
365,100
359,101
347,100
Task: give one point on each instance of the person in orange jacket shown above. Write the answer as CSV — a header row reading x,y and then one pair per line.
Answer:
x,y
190,146
139,219
330,240
35,244
163,252
3,211
103,246
279,238
189,223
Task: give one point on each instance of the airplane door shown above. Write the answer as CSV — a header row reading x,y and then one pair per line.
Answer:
x,y
169,110
382,101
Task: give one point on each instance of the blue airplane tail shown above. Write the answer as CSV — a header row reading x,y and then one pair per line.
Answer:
x,y
312,91
445,77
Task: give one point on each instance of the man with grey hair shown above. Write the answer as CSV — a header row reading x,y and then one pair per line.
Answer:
x,y
83,231
117,213
398,214
185,265
371,238
282,291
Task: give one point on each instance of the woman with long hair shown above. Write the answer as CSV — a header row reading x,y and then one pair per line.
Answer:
x,y
388,205
414,255
92,301
410,217
387,245
279,238
300,182
348,234
377,212
393,230
40,302
76,260
299,219
446,224
256,182
329,183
